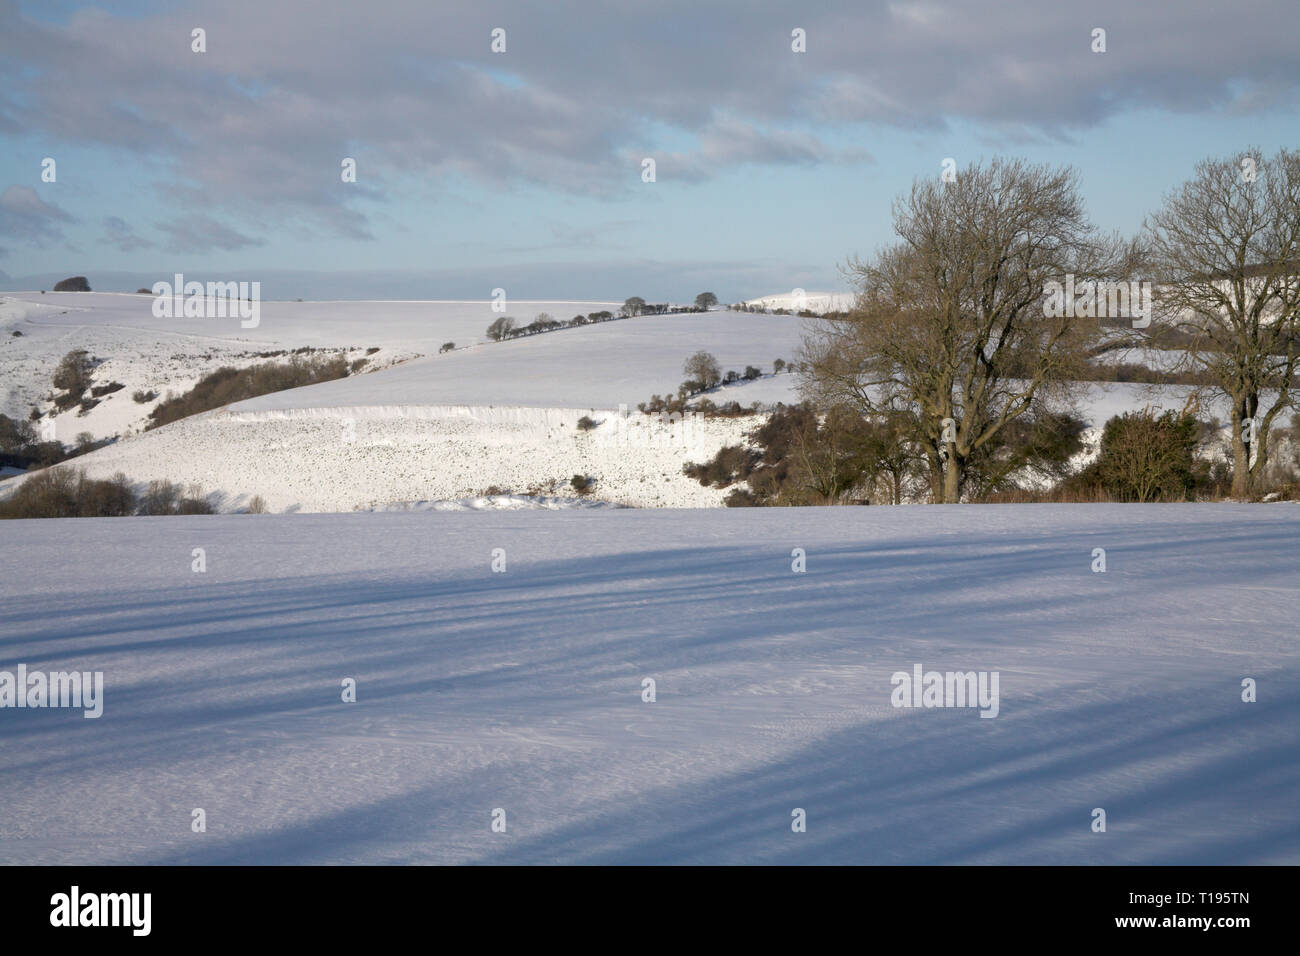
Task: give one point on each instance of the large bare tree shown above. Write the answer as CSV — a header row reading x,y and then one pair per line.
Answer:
x,y
950,325
1225,251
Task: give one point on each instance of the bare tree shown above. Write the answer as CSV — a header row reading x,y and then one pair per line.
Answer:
x,y
705,301
703,368
950,324
828,457
633,306
501,328
1225,250
894,454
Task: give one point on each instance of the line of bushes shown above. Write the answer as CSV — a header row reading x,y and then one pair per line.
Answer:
x,y
798,457
68,493
228,384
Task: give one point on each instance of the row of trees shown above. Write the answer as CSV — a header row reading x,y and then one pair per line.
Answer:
x,y
638,306
505,327
952,347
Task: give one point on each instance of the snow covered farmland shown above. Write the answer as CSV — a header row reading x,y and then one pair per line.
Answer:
x,y
522,691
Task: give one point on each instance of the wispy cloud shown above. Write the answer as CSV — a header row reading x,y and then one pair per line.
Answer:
x,y
26,217
198,233
121,236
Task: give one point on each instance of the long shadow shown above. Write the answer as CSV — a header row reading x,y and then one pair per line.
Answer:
x,y
556,638
942,788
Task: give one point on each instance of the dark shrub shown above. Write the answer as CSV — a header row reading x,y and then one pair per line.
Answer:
x,y
731,464
74,284
166,498
16,435
68,493
106,499
741,498
586,423
193,506
582,484
141,397
99,391
46,453
227,385
1148,457
72,376
51,493
161,498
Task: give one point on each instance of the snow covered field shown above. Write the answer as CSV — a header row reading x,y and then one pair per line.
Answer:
x,y
522,690
333,459
340,458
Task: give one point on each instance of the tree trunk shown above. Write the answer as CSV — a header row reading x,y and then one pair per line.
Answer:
x,y
951,481
1243,407
936,478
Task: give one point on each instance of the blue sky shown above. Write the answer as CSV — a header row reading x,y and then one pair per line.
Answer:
x,y
522,169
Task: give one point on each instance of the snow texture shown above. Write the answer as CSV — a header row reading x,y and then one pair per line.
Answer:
x,y
522,690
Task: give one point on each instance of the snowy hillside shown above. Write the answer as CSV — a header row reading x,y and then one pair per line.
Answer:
x,y
421,326
522,691
818,302
442,427
333,459
148,353
594,366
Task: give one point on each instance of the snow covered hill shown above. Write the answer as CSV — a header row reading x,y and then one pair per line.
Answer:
x,y
818,302
522,691
442,427
148,353
594,366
